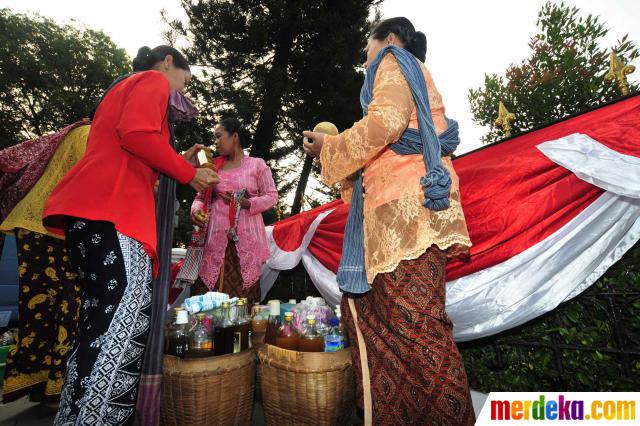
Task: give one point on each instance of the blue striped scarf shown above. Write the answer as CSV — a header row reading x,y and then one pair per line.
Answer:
x,y
352,277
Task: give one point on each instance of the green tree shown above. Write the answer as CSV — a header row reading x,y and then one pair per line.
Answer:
x,y
51,75
563,75
280,66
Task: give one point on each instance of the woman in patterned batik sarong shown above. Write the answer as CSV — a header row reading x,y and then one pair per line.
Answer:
x,y
105,206
49,294
405,220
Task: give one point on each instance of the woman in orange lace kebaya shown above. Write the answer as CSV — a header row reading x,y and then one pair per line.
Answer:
x,y
408,367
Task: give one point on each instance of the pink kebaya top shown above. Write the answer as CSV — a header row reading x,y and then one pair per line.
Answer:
x,y
252,246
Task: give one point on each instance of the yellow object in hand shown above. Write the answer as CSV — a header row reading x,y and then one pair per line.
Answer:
x,y
327,128
202,216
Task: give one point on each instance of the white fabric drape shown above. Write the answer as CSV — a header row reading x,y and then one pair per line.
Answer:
x,y
596,163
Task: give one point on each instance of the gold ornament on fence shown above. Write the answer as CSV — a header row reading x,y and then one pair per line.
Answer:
x,y
618,72
504,119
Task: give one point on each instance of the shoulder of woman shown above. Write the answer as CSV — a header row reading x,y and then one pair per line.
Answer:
x,y
257,161
151,78
389,65
389,62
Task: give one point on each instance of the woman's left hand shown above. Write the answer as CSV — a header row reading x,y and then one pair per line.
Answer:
x,y
312,143
244,203
191,154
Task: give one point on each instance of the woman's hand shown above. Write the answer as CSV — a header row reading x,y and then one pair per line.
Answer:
x,y
204,179
198,217
191,154
244,203
313,143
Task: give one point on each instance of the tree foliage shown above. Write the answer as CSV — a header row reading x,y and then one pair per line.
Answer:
x,y
563,75
51,75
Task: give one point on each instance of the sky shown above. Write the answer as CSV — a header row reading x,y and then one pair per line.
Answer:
x,y
466,39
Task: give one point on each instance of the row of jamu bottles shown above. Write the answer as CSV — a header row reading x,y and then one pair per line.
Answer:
x,y
210,335
314,336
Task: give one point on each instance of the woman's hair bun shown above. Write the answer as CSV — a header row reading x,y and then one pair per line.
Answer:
x,y
417,45
141,61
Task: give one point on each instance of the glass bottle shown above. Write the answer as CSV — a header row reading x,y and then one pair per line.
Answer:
x,y
178,337
311,340
287,336
247,317
171,326
224,336
274,322
200,344
241,327
258,321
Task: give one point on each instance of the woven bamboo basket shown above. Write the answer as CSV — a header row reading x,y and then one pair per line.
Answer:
x,y
258,342
306,388
208,391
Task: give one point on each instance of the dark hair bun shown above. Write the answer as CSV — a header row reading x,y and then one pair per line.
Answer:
x,y
417,45
140,62
414,41
147,58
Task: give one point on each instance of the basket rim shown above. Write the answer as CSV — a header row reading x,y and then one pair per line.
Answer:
x,y
307,361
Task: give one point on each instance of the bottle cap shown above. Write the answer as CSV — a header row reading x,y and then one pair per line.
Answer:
x,y
226,304
200,317
241,302
311,319
183,317
293,301
288,315
333,322
274,307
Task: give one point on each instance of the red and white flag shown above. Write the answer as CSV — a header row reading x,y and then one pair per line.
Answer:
x,y
548,213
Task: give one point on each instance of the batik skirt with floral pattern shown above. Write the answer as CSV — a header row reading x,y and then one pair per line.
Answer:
x,y
104,367
48,313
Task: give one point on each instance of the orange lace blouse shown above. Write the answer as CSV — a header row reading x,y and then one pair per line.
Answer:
x,y
396,225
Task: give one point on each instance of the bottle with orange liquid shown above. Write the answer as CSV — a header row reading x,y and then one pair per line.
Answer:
x,y
274,322
287,336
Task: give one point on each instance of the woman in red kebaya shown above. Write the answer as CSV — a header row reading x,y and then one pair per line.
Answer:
x,y
105,208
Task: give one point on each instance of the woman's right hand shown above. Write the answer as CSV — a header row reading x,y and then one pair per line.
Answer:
x,y
198,217
204,179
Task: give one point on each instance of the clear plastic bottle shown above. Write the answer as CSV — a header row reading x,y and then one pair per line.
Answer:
x,y
334,340
311,340
342,328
